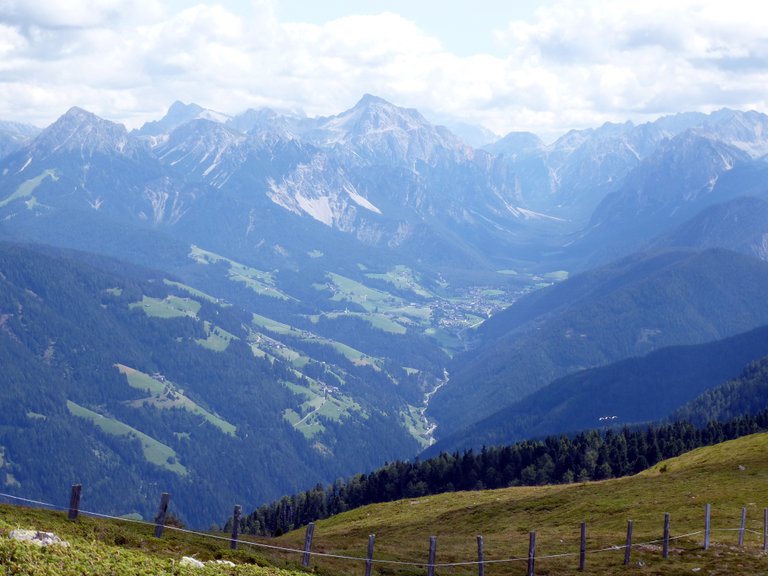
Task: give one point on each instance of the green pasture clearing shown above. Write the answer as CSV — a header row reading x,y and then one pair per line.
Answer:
x,y
194,292
421,314
261,282
415,424
557,275
271,325
140,380
217,338
264,346
168,307
155,452
352,354
379,321
384,323
27,187
448,341
165,395
347,290
403,278
329,407
331,404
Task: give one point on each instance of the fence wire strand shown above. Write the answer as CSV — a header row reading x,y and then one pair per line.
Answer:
x,y
288,550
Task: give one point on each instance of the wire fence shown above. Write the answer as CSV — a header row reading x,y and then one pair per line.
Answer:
x,y
369,561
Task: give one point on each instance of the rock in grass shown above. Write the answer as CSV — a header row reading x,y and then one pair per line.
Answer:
x,y
189,561
37,537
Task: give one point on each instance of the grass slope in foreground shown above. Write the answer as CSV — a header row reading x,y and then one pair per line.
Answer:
x,y
99,547
728,475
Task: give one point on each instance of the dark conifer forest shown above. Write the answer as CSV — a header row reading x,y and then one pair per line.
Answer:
x,y
591,455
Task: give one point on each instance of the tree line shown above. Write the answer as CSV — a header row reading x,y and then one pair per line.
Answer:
x,y
591,455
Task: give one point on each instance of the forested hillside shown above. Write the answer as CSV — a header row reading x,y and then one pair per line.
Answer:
x,y
634,391
592,455
131,384
747,394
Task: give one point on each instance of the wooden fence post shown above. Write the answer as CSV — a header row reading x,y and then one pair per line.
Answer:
x,y
308,544
369,559
765,529
235,527
743,526
74,502
707,525
432,555
583,547
531,553
628,547
480,557
665,552
161,512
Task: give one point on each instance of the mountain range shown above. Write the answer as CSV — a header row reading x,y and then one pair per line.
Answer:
x,y
387,284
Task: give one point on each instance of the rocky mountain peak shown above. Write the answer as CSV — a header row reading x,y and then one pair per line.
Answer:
x,y
178,114
376,130
747,131
267,124
14,135
81,130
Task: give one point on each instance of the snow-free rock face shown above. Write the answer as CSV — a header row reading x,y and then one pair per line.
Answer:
x,y
321,189
381,174
204,150
85,133
178,114
378,132
13,136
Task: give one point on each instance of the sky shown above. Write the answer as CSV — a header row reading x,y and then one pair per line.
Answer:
x,y
507,65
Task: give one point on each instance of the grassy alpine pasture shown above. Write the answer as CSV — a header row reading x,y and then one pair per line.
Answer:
x,y
27,187
353,355
100,547
168,307
154,451
261,282
166,395
730,476
217,339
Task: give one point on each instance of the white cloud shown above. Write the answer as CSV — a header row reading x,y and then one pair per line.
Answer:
x,y
572,64
75,13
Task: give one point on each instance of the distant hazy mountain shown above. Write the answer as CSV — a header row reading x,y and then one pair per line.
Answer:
x,y
178,114
380,174
14,135
740,225
682,176
474,135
